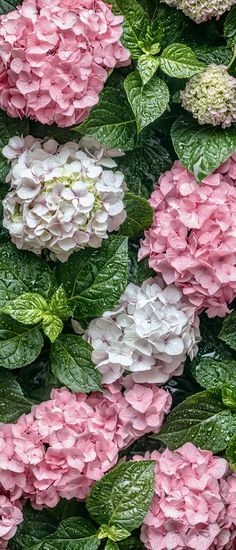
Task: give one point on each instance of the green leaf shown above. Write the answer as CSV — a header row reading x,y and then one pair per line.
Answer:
x,y
180,61
147,66
149,7
208,54
231,453
202,149
19,345
229,396
230,27
112,121
72,534
143,166
7,5
71,363
123,496
95,279
214,372
201,419
148,102
37,525
111,545
139,216
59,304
44,131
135,24
131,544
138,271
28,308
52,326
12,401
228,332
168,25
113,532
9,127
23,272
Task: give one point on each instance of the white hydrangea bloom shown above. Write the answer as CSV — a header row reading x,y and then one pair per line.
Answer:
x,y
202,10
62,198
150,334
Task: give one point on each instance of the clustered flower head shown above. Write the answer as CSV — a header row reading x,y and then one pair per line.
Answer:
x,y
192,241
10,517
67,443
211,96
194,506
62,198
149,335
56,56
202,10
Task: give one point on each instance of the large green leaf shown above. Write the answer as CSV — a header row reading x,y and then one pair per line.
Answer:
x,y
202,149
12,401
168,25
214,372
143,166
218,55
19,345
180,61
135,25
148,101
72,534
9,127
230,27
139,216
112,121
21,272
95,279
123,496
201,419
71,363
28,308
228,332
37,525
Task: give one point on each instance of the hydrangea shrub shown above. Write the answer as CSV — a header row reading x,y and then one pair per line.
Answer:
x,y
117,275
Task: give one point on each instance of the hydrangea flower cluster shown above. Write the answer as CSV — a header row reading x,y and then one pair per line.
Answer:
x,y
150,334
56,56
202,10
192,241
10,517
211,96
194,506
67,443
62,198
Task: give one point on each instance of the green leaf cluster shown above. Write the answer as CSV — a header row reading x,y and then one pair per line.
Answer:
x,y
208,418
37,301
116,506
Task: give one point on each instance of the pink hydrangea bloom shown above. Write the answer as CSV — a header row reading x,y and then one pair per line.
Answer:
x,y
56,56
194,506
67,443
10,517
192,241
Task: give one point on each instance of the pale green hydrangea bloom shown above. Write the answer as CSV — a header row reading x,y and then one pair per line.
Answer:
x,y
211,96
